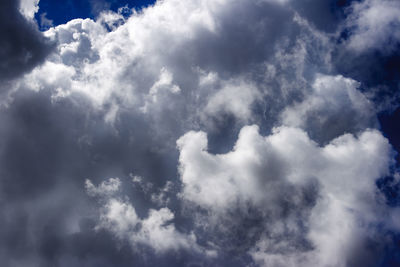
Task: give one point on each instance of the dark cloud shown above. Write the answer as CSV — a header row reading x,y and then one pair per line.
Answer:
x,y
324,15
22,46
48,150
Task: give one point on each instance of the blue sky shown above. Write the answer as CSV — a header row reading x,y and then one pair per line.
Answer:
x,y
62,11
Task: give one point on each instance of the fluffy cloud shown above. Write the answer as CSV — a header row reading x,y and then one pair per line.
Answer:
x,y
156,230
29,7
235,97
114,68
374,25
333,108
303,193
115,95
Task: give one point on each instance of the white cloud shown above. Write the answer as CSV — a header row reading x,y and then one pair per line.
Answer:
x,y
106,188
29,8
156,231
374,24
288,155
235,97
116,64
267,172
119,217
154,61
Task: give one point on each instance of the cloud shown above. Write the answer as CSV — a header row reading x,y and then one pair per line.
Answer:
x,y
368,50
106,188
325,15
156,230
278,149
334,108
235,97
301,193
29,8
44,22
98,6
374,25
23,47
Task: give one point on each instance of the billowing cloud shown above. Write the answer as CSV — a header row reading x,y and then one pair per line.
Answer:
x,y
335,107
120,217
312,201
242,133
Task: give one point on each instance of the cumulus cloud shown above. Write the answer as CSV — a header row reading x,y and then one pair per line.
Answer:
x,y
235,97
156,230
333,108
237,142
303,193
177,51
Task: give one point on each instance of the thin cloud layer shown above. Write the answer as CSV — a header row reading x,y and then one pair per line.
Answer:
x,y
242,133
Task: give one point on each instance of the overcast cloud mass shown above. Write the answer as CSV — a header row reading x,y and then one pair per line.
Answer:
x,y
200,133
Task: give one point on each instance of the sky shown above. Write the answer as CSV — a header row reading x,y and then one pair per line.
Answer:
x,y
62,11
199,133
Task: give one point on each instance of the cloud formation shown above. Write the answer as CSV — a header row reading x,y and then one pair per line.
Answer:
x,y
304,194
335,107
120,217
236,142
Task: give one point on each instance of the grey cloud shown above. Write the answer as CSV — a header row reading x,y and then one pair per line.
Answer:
x,y
245,41
334,108
44,164
325,15
22,46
